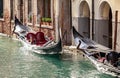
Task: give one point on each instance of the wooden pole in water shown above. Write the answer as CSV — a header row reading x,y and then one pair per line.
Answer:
x,y
10,26
2,27
10,31
53,18
40,24
115,33
70,14
62,24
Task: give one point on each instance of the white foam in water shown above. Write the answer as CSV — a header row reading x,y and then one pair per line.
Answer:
x,y
72,47
91,74
24,50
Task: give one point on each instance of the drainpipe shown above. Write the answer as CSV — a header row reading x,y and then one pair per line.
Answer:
x,y
92,20
71,19
70,14
115,33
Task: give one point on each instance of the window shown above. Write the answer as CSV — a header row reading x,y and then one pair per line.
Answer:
x,y
20,10
30,11
39,7
1,8
43,11
47,8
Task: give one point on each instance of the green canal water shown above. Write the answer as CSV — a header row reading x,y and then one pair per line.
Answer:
x,y
16,62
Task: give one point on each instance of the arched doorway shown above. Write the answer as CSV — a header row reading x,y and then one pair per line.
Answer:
x,y
103,28
84,19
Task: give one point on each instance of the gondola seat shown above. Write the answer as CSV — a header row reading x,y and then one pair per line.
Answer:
x,y
31,37
40,38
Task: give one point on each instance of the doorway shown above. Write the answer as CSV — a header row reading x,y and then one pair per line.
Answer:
x,y
103,26
84,19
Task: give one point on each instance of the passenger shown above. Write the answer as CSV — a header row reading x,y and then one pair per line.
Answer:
x,y
40,38
100,59
112,58
31,38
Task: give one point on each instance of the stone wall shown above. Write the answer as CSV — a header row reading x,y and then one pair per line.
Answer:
x,y
101,16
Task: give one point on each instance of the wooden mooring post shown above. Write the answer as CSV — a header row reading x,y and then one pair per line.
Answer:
x,y
2,27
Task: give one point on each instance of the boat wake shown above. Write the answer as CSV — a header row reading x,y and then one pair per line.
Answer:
x,y
24,50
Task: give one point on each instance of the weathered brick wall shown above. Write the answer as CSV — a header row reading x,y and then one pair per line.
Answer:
x,y
7,26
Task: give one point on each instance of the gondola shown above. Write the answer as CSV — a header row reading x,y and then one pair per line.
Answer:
x,y
36,41
96,53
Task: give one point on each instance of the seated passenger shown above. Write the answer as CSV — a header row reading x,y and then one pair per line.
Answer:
x,y
99,58
40,38
112,58
102,59
31,38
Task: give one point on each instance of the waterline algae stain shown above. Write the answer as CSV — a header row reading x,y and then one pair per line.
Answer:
x,y
16,62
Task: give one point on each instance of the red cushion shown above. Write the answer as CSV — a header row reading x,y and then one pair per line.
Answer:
x,y
40,38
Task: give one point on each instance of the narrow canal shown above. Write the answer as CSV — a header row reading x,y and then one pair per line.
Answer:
x,y
16,62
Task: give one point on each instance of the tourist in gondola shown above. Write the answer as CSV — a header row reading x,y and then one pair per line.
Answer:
x,y
113,58
110,58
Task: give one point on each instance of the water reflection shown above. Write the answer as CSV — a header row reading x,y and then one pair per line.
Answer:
x,y
73,68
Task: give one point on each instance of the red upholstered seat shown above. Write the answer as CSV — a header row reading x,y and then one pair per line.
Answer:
x,y
31,37
40,38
